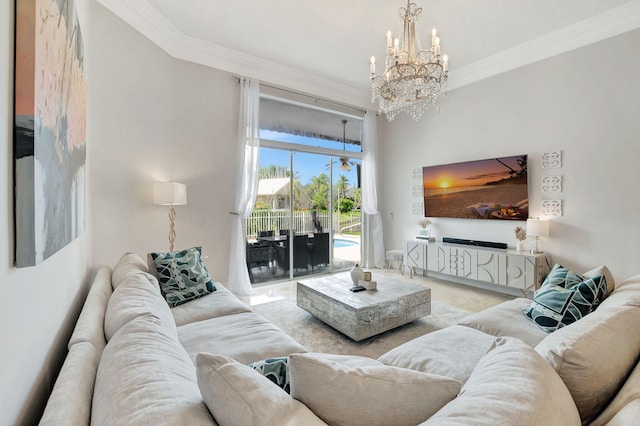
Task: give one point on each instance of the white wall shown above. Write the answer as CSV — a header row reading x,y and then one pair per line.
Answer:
x,y
584,103
38,305
158,119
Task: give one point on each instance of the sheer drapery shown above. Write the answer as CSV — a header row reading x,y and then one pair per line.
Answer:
x,y
374,237
248,145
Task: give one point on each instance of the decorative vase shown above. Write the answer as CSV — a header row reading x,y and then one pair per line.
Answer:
x,y
356,274
520,245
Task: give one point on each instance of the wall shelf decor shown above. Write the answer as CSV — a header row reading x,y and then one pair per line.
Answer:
x,y
551,183
552,208
551,160
416,173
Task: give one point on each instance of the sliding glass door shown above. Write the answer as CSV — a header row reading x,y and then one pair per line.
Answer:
x,y
306,218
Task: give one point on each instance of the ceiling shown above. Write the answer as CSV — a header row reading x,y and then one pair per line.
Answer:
x,y
325,45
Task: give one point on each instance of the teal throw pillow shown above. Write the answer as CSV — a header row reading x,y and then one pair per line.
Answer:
x,y
182,275
561,277
276,370
564,298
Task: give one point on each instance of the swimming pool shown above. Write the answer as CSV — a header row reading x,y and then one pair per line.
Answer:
x,y
340,243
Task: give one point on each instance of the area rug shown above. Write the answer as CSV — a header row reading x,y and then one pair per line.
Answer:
x,y
316,336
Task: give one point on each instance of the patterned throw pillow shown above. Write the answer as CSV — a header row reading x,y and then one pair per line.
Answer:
x,y
276,370
182,275
564,298
561,277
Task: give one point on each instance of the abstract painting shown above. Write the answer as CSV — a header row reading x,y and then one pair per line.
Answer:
x,y
50,129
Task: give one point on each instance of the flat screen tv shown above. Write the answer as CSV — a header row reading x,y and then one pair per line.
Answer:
x,y
495,188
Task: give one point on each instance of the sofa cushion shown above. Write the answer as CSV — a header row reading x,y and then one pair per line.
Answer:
x,y
354,391
450,352
89,327
594,356
628,395
512,385
137,295
129,263
628,415
146,377
182,275
506,319
219,303
245,337
238,395
626,293
276,370
70,400
564,298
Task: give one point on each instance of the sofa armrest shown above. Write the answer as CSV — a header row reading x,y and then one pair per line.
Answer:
x,y
70,400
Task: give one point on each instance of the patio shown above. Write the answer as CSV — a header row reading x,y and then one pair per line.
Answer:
x,y
266,234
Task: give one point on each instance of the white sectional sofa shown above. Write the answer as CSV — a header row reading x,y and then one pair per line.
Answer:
x,y
133,360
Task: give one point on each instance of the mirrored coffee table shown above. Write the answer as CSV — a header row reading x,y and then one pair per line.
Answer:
x,y
367,313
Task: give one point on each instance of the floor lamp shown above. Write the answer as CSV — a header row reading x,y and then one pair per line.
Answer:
x,y
170,194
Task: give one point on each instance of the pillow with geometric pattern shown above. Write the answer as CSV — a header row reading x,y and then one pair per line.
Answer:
x,y
561,276
275,369
182,275
564,298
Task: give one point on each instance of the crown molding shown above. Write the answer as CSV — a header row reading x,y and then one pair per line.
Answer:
x,y
600,27
150,23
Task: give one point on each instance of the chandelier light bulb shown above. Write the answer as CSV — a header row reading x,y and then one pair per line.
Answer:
x,y
373,65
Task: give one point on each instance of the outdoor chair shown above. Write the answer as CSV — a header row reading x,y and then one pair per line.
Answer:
x,y
319,254
300,253
259,256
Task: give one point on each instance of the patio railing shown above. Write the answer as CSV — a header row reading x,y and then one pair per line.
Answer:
x,y
267,220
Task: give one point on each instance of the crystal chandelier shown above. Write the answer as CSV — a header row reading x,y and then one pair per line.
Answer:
x,y
413,79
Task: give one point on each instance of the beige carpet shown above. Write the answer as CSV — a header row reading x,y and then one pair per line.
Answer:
x,y
316,336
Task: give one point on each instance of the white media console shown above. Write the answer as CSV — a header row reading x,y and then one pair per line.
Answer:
x,y
515,271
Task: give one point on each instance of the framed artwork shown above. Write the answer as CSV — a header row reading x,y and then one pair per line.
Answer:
x,y
50,124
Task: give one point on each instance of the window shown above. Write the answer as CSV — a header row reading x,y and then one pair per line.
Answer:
x,y
309,187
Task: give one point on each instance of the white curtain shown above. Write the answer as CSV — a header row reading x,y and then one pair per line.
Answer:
x,y
248,145
374,256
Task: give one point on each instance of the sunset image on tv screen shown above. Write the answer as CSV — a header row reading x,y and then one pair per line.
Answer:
x,y
494,188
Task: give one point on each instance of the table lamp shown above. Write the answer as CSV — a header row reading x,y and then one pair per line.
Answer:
x,y
170,194
537,228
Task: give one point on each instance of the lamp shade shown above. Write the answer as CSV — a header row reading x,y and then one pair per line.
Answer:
x,y
537,228
169,193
